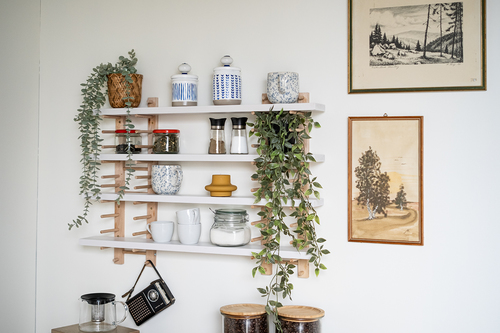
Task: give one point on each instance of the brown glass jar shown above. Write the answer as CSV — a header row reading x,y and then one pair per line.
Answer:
x,y
244,318
300,319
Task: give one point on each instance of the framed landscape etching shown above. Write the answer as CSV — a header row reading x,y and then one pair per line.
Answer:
x,y
417,45
385,180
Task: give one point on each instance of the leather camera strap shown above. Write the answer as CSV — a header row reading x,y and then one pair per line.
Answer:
x,y
129,293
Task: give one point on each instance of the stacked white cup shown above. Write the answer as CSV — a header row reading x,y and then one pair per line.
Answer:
x,y
189,226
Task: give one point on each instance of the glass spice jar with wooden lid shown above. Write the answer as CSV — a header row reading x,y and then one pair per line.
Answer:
x,y
166,141
244,318
300,319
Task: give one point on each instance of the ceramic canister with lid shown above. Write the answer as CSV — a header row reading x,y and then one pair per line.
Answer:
x,y
227,83
184,87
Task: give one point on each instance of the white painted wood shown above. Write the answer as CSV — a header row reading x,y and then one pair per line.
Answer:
x,y
140,243
194,199
190,157
216,109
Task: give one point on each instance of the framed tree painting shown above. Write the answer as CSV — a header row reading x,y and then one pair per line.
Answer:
x,y
417,45
385,180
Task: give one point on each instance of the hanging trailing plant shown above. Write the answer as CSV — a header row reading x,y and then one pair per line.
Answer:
x,y
284,177
94,93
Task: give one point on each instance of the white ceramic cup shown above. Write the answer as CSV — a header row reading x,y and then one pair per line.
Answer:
x,y
161,231
188,216
189,233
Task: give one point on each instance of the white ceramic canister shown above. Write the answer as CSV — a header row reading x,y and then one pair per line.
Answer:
x,y
227,83
184,87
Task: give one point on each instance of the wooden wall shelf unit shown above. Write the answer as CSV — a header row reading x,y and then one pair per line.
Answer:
x,y
140,245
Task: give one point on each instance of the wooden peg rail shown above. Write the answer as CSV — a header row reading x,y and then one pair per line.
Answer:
x,y
106,231
119,177
143,217
138,233
302,264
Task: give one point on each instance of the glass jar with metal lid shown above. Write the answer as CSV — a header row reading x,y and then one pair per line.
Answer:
x,y
299,319
121,141
166,141
244,318
230,228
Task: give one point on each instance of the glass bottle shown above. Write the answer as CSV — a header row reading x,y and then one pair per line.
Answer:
x,y
239,136
217,136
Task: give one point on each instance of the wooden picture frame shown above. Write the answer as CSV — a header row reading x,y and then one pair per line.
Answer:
x,y
385,180
409,46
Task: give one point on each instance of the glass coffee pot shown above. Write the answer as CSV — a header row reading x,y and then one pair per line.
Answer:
x,y
98,312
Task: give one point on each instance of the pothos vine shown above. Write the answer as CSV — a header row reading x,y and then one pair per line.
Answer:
x,y
284,177
89,120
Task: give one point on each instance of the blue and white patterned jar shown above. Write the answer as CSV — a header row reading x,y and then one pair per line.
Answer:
x,y
282,87
227,83
166,179
184,87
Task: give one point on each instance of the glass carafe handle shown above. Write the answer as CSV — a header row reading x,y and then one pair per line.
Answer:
x,y
125,307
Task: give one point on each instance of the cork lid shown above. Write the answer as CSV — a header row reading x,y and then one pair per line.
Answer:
x,y
300,313
243,310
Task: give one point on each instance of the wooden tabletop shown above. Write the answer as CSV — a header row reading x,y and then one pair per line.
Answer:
x,y
75,329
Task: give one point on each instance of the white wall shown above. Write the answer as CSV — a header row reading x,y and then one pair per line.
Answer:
x,y
20,56
449,284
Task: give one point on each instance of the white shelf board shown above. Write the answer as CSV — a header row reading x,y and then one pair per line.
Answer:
x,y
194,199
314,107
140,243
190,157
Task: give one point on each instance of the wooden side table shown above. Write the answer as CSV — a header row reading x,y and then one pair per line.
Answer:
x,y
75,329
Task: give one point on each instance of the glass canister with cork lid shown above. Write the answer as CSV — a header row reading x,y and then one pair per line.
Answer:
x,y
244,318
300,319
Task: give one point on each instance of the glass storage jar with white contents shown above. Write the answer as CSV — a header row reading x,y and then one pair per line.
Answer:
x,y
230,228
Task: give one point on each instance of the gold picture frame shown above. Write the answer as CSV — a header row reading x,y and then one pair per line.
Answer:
x,y
385,180
410,46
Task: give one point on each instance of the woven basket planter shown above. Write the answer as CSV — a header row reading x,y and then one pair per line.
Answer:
x,y
117,90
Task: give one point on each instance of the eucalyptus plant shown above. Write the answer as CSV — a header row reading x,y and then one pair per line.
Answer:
x,y
94,93
285,178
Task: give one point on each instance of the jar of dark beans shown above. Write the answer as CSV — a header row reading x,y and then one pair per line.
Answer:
x,y
244,318
166,141
300,319
121,141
